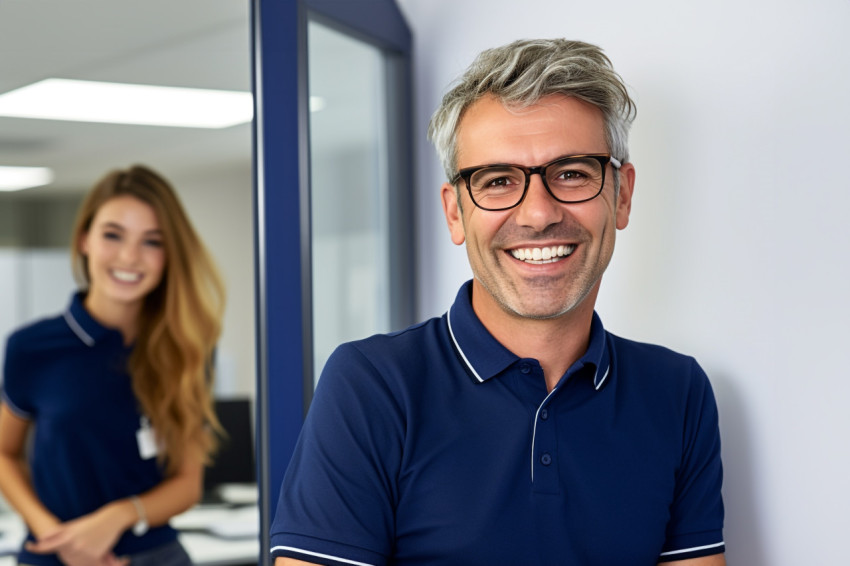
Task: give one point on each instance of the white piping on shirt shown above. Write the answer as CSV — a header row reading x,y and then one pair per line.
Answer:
x,y
604,377
14,408
694,549
459,349
77,329
534,433
319,555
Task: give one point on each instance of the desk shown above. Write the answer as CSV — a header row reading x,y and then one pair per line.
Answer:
x,y
213,535
220,535
12,532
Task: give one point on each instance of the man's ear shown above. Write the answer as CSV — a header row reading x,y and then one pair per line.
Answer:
x,y
624,199
454,215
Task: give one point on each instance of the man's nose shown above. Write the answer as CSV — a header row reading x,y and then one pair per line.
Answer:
x,y
538,209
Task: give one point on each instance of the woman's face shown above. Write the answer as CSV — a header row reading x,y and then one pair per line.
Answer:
x,y
125,250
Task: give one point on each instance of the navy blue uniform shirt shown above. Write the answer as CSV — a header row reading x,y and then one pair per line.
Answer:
x,y
437,445
68,375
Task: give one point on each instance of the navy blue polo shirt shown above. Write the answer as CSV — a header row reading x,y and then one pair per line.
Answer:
x,y
437,445
68,375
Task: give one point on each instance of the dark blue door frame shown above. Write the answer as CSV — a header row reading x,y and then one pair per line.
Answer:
x,y
282,211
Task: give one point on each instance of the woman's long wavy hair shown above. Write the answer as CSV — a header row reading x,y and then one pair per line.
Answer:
x,y
179,324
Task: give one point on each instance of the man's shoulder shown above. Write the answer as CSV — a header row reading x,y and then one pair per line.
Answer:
x,y
421,339
395,359
646,350
653,362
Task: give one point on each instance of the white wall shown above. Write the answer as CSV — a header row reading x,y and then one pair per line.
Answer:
x,y
33,284
736,252
221,210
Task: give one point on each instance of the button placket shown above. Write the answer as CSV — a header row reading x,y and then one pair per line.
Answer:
x,y
544,464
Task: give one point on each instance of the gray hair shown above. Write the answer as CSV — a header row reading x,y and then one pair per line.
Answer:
x,y
523,72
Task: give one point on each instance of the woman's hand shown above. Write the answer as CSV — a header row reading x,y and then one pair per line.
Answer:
x,y
87,540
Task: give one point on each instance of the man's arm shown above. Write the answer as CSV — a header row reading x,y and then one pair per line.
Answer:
x,y
714,560
284,561
339,485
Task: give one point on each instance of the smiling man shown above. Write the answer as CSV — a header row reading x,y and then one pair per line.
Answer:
x,y
515,429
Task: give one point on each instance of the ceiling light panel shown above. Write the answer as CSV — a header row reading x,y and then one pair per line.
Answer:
x,y
118,103
17,178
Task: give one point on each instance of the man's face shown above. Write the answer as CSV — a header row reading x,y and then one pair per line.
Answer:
x,y
577,240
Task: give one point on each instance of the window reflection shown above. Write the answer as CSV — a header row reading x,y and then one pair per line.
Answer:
x,y
348,145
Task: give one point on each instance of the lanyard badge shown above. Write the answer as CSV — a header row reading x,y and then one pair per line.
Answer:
x,y
146,439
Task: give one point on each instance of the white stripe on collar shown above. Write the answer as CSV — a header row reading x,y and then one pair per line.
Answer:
x,y
604,377
77,329
459,349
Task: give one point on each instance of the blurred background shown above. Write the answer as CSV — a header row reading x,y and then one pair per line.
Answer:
x,y
203,44
192,43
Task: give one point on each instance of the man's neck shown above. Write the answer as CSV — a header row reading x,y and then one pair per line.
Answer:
x,y
556,343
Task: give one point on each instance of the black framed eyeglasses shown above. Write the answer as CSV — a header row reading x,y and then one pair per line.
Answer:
x,y
569,179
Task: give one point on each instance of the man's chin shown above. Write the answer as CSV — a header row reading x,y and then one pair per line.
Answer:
x,y
539,310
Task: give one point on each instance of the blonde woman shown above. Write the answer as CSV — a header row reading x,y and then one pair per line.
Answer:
x,y
117,388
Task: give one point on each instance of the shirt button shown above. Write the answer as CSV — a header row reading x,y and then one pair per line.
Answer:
x,y
544,414
525,368
545,459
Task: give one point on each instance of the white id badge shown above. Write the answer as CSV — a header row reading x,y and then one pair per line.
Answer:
x,y
146,440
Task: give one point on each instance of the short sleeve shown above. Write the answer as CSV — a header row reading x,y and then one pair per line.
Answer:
x,y
339,493
696,514
17,384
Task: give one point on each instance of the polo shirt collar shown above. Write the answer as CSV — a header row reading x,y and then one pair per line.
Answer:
x,y
485,357
597,355
81,323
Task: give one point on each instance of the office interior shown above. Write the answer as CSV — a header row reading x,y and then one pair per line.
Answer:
x,y
729,256
188,44
203,45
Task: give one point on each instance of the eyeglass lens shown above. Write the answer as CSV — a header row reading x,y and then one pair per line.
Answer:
x,y
572,179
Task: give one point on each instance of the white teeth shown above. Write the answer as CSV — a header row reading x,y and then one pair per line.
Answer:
x,y
542,255
126,276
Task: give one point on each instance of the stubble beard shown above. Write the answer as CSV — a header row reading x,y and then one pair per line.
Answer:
x,y
520,297
513,297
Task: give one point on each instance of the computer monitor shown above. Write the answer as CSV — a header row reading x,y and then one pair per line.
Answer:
x,y
234,462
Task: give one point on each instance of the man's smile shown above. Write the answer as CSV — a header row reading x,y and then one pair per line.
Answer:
x,y
548,254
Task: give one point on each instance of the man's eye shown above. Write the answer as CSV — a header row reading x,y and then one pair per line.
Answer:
x,y
111,236
571,175
500,182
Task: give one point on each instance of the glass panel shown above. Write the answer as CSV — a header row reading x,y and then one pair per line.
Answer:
x,y
348,156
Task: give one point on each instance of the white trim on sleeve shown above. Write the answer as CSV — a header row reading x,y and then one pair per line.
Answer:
x,y
319,555
17,411
694,549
